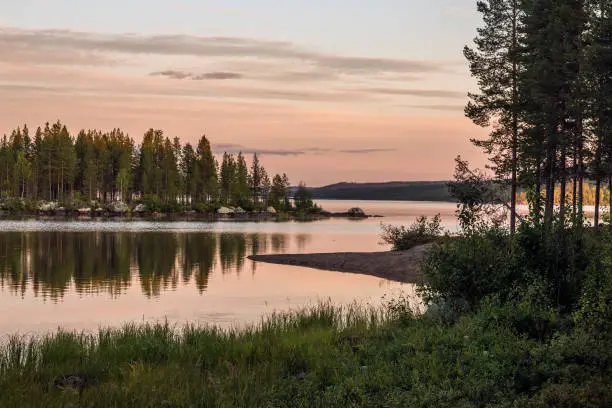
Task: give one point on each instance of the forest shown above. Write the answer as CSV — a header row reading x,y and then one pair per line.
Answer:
x,y
545,80
52,165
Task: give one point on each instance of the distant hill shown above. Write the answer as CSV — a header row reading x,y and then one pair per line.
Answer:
x,y
395,190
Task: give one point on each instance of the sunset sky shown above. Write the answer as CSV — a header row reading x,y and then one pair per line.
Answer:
x,y
327,91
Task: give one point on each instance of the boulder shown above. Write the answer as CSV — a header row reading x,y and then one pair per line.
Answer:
x,y
356,212
119,207
225,211
271,210
239,210
140,208
84,210
47,206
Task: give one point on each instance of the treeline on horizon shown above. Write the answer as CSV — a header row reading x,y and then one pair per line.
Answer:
x,y
544,71
53,165
400,191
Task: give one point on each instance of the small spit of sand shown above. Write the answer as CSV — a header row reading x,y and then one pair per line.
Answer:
x,y
400,266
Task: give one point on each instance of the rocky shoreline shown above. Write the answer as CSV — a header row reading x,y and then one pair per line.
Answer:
x,y
121,210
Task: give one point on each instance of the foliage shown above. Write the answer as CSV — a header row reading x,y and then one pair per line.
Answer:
x,y
481,201
478,263
303,200
543,71
279,193
109,167
402,238
324,356
468,267
495,63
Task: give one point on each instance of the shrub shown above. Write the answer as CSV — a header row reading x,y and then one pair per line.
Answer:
x,y
423,231
487,260
469,267
14,205
206,208
594,312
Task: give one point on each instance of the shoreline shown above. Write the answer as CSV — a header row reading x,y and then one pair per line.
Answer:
x,y
398,266
206,217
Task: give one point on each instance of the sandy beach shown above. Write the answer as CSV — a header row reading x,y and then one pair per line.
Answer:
x,y
400,266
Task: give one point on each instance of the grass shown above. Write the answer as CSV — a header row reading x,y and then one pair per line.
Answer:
x,y
324,356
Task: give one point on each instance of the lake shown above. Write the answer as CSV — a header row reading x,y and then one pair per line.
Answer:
x,y
86,274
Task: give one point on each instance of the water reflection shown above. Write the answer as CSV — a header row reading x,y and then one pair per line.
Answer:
x,y
49,262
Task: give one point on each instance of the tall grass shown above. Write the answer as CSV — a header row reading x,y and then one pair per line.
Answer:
x,y
323,356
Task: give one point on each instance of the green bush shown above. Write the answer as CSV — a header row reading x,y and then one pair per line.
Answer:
x,y
594,312
13,204
206,208
488,260
469,267
402,238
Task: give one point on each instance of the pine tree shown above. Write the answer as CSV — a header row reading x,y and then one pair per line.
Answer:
x,y
241,188
207,169
599,74
227,178
495,63
279,193
303,198
188,168
255,178
553,31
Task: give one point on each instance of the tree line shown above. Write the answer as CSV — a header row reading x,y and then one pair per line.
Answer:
x,y
544,71
52,165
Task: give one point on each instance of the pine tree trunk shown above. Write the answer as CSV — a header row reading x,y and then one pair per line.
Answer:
x,y
563,186
597,201
580,175
597,182
514,138
610,200
574,181
50,184
550,184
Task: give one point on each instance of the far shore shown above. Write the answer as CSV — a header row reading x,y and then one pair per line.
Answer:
x,y
399,266
181,216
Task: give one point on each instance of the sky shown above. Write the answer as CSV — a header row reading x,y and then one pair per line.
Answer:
x,y
326,91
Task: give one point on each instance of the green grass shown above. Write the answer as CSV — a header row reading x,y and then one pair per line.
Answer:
x,y
325,356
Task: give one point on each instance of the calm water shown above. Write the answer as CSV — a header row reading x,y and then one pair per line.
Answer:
x,y
87,274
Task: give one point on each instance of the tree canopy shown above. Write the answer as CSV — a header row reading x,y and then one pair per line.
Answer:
x,y
110,166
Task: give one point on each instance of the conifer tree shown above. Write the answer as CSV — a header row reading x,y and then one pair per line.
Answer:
x,y
241,190
551,58
227,178
207,169
495,64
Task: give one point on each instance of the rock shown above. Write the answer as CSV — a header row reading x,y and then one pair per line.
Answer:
x,y
74,381
99,209
239,210
140,208
356,212
61,209
47,206
119,207
84,210
271,210
225,211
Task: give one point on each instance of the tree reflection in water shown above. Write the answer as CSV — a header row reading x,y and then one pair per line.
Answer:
x,y
51,263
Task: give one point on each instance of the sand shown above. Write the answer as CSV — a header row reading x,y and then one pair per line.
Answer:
x,y
399,266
